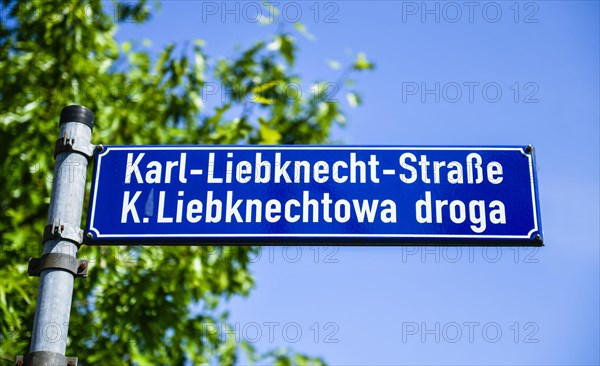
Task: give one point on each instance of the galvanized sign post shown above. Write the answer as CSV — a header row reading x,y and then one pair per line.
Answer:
x,y
59,265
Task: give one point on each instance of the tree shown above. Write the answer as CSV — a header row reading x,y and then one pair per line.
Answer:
x,y
135,306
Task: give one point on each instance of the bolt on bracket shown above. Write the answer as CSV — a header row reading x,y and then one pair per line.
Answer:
x,y
66,262
44,358
61,230
66,143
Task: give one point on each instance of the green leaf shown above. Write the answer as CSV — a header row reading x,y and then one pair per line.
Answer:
x,y
269,135
334,64
362,63
287,48
301,28
353,99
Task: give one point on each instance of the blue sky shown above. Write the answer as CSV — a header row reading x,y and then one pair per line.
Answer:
x,y
434,306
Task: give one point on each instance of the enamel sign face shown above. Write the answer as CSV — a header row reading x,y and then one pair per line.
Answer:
x,y
353,195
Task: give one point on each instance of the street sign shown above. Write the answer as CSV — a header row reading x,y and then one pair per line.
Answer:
x,y
349,195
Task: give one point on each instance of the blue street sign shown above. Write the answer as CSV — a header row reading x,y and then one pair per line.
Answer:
x,y
309,194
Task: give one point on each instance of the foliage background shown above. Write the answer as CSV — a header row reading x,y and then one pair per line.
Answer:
x,y
134,308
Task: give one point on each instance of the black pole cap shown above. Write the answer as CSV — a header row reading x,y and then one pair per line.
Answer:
x,y
77,113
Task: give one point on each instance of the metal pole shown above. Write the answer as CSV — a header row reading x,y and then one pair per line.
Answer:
x,y
62,238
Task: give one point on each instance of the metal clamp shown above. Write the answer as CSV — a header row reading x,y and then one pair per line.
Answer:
x,y
45,358
66,143
77,267
60,230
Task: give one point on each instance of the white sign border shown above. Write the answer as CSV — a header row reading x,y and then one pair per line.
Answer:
x,y
106,150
